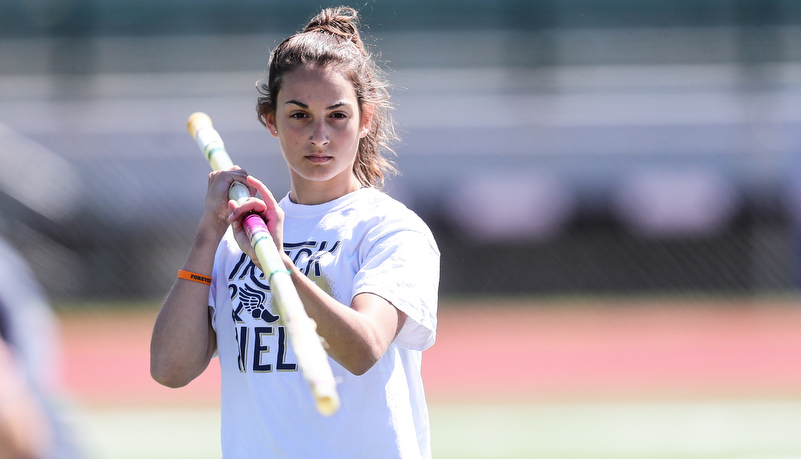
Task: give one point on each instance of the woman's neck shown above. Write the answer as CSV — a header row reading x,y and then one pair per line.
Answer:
x,y
311,193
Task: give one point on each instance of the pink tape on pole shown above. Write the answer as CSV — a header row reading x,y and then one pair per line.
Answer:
x,y
254,224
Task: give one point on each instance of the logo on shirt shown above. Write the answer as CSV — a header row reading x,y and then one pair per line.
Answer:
x,y
262,341
251,302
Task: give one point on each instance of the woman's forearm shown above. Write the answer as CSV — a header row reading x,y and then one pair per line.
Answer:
x,y
183,340
356,336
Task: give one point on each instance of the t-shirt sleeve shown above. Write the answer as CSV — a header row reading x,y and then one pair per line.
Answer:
x,y
403,268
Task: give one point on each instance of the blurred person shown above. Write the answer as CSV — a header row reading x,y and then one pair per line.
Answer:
x,y
366,269
32,420
24,430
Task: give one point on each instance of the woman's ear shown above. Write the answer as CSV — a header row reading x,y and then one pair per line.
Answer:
x,y
367,120
269,122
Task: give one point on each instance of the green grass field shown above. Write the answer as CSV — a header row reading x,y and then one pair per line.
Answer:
x,y
753,429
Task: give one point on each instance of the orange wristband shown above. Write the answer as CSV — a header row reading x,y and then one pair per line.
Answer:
x,y
188,275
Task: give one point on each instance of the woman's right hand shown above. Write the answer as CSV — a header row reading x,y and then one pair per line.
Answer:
x,y
217,208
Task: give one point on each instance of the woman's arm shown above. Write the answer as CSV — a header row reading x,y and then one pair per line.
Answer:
x,y
356,336
183,340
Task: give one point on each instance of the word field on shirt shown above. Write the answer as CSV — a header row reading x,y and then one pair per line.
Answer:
x,y
261,339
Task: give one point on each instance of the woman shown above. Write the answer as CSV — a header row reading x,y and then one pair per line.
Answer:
x,y
365,267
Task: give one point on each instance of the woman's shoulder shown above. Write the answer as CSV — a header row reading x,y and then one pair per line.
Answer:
x,y
379,203
382,210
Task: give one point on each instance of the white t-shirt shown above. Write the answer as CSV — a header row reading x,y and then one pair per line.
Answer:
x,y
363,242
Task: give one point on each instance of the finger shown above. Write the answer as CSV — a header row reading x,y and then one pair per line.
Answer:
x,y
237,174
263,190
254,205
244,207
226,178
242,177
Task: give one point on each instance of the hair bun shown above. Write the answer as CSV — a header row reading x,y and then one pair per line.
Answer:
x,y
341,21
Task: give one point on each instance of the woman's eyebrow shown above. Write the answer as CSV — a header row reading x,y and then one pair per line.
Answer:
x,y
306,107
298,103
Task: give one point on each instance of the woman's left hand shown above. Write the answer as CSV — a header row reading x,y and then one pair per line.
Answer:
x,y
267,208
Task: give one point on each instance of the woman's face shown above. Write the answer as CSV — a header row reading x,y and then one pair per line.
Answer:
x,y
318,123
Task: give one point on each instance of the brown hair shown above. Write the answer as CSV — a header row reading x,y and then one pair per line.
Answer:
x,y
332,39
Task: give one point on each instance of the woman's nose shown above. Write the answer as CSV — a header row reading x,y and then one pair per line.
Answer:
x,y
319,136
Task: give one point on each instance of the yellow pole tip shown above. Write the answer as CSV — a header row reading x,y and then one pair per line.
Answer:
x,y
197,121
327,406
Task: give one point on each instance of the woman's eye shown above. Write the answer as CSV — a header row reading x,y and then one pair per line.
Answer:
x,y
339,115
297,115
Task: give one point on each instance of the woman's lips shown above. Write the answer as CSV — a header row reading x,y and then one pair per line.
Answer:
x,y
318,158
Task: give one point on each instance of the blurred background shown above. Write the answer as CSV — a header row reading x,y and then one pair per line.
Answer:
x,y
578,149
555,146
